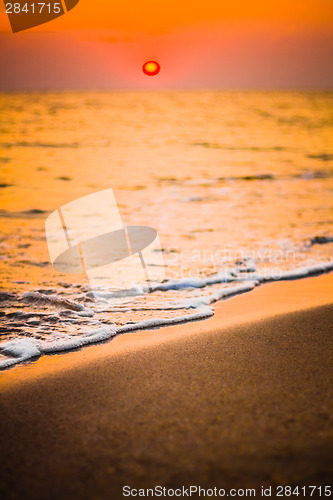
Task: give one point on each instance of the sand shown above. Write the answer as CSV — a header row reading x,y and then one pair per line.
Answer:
x,y
238,401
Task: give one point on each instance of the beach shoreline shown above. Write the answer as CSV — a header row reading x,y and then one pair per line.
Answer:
x,y
237,401
268,299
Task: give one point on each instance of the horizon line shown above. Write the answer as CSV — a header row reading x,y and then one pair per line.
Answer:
x,y
166,89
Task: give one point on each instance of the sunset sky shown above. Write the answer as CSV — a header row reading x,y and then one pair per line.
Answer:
x,y
102,44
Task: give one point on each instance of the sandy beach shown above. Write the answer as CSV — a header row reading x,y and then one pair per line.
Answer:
x,y
238,401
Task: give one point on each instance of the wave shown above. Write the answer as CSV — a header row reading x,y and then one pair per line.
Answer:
x,y
24,144
227,147
34,213
321,240
20,350
306,175
24,349
54,300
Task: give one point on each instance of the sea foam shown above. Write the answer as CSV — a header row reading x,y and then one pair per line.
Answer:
x,y
23,349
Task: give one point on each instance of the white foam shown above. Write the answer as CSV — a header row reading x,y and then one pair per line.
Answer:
x,y
229,276
147,324
225,276
21,350
216,296
300,272
99,294
53,300
87,313
67,342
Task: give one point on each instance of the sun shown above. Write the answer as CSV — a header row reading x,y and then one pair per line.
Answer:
x,y
151,68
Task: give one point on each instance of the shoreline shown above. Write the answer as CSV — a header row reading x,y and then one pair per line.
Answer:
x,y
21,350
232,402
274,298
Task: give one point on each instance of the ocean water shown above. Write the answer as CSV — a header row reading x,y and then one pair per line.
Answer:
x,y
237,184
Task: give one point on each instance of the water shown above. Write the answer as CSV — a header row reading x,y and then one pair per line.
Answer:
x,y
237,184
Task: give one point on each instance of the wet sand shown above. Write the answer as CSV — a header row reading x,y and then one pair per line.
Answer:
x,y
238,401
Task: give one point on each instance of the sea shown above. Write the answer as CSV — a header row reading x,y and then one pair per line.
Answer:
x,y
236,184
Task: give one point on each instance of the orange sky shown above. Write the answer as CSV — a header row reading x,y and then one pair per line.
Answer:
x,y
214,43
